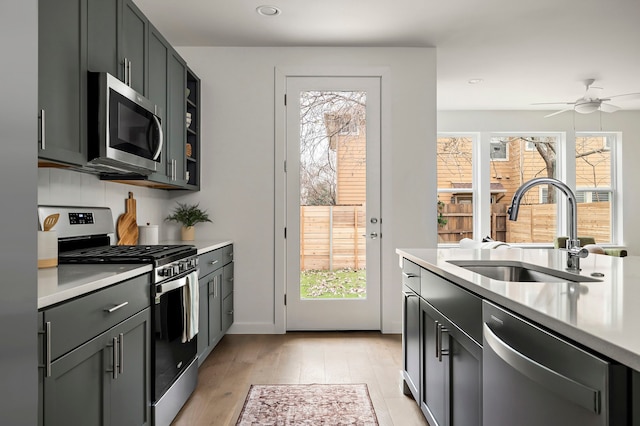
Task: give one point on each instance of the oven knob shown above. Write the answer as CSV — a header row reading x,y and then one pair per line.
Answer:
x,y
165,272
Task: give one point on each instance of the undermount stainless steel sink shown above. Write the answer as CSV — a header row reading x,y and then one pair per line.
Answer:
x,y
514,271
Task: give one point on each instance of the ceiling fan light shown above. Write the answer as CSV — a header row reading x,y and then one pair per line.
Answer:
x,y
587,107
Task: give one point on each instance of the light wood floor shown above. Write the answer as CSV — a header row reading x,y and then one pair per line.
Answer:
x,y
313,357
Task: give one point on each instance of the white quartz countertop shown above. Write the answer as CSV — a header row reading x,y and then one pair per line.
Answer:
x,y
602,315
65,282
203,246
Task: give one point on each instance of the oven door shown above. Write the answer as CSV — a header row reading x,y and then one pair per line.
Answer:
x,y
171,355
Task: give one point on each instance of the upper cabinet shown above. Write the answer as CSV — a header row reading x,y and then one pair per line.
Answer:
x,y
113,36
62,81
132,47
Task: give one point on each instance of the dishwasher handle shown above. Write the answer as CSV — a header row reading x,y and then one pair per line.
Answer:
x,y
552,380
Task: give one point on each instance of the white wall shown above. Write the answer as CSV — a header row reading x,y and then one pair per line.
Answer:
x,y
70,188
626,122
238,146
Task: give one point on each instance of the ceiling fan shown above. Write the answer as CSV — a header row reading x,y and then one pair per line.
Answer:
x,y
589,102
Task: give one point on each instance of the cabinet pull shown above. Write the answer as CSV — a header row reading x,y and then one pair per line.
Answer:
x,y
47,348
441,329
212,286
129,73
124,71
214,262
410,275
114,353
115,308
121,353
42,130
230,279
231,254
436,328
230,313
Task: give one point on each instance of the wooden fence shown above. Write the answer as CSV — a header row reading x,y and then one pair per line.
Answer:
x,y
331,237
535,224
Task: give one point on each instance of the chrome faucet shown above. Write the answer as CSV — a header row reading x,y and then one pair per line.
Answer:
x,y
575,252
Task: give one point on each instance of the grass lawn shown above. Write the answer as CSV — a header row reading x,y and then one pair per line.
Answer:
x,y
339,284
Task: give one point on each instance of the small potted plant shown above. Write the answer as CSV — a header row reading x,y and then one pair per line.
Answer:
x,y
188,215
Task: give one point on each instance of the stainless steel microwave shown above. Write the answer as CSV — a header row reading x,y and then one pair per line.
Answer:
x,y
124,128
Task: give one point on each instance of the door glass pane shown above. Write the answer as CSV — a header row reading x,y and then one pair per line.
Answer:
x,y
514,161
332,194
455,188
594,190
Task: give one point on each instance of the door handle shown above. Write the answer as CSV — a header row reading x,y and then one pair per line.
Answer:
x,y
373,235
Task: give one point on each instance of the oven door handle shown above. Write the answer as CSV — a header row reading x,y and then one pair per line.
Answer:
x,y
171,285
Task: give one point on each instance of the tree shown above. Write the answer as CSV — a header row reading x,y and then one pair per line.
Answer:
x,y
324,115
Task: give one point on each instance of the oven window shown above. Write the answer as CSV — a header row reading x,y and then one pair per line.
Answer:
x,y
172,356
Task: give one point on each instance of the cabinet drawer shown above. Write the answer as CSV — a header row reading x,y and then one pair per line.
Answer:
x,y
411,275
227,280
460,306
210,261
77,321
227,254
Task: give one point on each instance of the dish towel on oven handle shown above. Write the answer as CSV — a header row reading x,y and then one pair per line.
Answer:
x,y
190,303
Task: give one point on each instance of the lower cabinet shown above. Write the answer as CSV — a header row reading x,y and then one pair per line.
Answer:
x,y
104,380
216,298
442,364
451,372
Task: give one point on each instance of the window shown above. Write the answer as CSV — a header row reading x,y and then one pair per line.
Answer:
x,y
499,150
455,188
594,189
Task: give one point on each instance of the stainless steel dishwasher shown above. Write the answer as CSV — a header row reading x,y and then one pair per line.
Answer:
x,y
532,377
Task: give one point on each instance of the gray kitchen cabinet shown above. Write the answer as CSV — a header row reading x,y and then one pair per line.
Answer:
x,y
132,47
159,50
177,136
216,298
102,379
441,350
118,39
62,81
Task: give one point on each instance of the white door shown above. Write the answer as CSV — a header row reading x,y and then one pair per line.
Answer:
x,y
333,224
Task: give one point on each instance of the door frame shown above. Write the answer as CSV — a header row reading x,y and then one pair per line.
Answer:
x,y
280,155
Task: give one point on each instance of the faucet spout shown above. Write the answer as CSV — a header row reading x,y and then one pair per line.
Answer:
x,y
573,244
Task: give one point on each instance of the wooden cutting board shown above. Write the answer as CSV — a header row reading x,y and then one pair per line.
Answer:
x,y
127,223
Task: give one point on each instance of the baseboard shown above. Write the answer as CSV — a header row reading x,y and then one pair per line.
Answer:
x,y
253,328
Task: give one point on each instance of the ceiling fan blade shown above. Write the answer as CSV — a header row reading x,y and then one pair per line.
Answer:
x,y
608,107
553,103
635,95
557,112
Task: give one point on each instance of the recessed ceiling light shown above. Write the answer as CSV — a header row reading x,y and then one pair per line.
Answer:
x,y
475,80
268,10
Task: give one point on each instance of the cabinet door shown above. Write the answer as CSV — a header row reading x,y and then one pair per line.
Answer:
x,y
411,343
76,392
102,37
133,47
215,307
176,140
158,87
62,80
435,367
466,380
130,393
203,317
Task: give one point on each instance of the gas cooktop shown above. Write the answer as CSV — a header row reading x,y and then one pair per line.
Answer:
x,y
156,254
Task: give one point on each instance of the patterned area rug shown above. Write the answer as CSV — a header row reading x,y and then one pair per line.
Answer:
x,y
316,404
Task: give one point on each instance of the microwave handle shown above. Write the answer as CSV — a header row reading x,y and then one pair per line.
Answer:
x,y
161,142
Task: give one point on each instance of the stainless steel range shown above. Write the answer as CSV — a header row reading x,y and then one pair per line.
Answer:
x,y
85,235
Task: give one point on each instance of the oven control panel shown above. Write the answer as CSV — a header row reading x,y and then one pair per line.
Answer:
x,y
176,268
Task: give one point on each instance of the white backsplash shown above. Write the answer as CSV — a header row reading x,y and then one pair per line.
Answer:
x,y
69,188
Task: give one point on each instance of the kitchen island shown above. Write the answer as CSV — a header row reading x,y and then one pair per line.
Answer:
x,y
452,308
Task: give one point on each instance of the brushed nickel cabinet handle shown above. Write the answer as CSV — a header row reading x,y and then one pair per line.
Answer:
x,y
114,353
43,129
121,353
124,71
47,348
115,308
